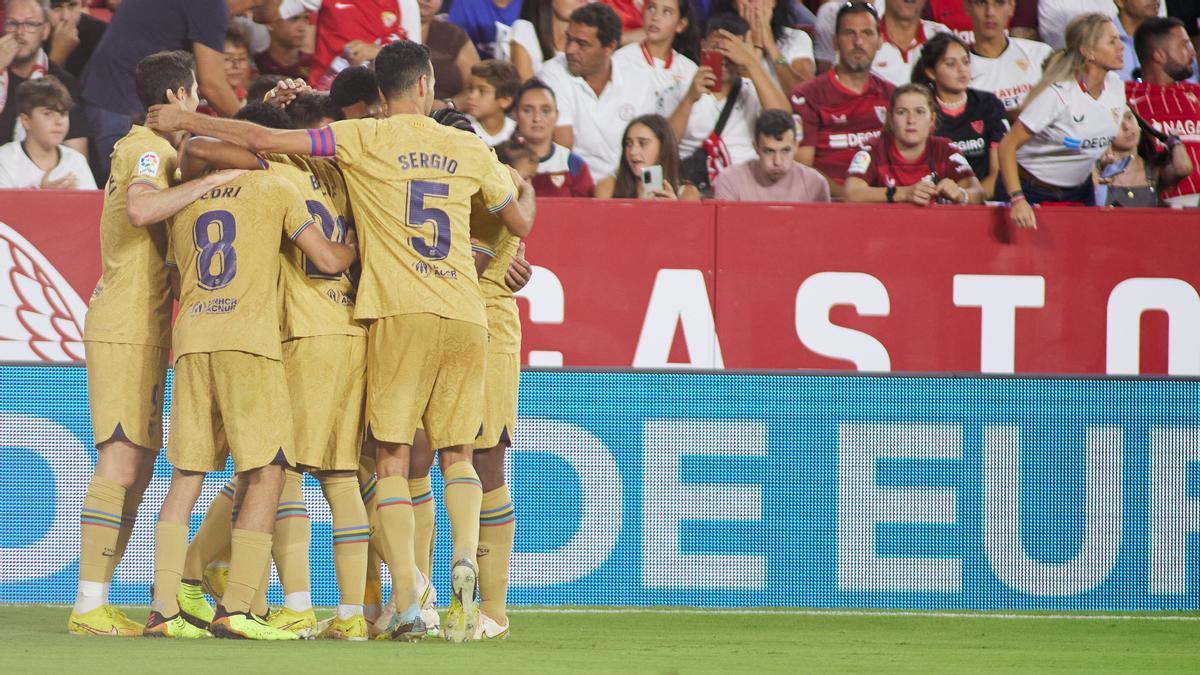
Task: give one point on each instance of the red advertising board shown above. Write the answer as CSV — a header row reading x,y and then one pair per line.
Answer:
x,y
831,286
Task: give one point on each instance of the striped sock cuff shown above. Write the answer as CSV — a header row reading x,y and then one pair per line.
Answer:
x,y
290,510
501,515
100,518
368,489
352,535
388,502
465,481
229,489
422,498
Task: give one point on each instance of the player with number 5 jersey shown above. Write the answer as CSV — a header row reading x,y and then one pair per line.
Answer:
x,y
411,182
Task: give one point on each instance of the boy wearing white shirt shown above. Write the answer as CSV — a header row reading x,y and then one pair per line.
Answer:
x,y
1005,66
490,91
41,160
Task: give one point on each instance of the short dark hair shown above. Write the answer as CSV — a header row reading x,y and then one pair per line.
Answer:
x,y
400,65
726,21
260,85
161,71
532,85
774,123
449,117
854,8
1150,34
264,114
308,109
933,51
513,150
601,17
502,75
46,92
354,85
237,37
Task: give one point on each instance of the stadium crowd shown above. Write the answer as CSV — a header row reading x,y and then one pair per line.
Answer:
x,y
920,101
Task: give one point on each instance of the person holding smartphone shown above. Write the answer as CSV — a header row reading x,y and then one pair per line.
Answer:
x,y
649,166
1135,174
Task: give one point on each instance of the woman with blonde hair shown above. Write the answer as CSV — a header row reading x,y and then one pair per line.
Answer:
x,y
1067,121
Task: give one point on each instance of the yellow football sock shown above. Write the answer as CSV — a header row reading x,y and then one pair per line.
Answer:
x,y
250,555
373,591
170,549
213,537
99,529
292,535
258,606
395,514
423,522
463,495
497,524
128,519
351,536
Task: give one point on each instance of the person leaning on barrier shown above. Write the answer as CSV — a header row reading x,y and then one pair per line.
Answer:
x,y
907,163
1066,122
775,176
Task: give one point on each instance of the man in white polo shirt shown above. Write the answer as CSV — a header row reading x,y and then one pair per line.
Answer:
x,y
595,99
1005,66
904,34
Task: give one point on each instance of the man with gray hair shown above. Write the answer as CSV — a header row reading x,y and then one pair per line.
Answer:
x,y
26,27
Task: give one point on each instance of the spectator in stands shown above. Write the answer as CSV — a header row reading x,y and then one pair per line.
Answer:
x,y
561,173
451,52
1187,11
285,55
1005,66
41,160
1147,172
1054,15
595,100
744,88
487,22
1166,99
1130,15
909,164
845,108
903,33
26,27
775,175
787,53
972,120
352,33
355,92
73,36
660,56
540,34
141,28
490,92
1067,121
238,72
648,141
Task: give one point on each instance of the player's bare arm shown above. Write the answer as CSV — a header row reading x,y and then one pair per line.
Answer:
x,y
146,205
258,139
329,257
199,155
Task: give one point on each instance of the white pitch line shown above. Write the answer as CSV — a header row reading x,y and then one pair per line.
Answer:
x,y
917,614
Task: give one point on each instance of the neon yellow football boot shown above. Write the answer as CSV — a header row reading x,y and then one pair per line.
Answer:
x,y
464,610
105,620
303,624
192,605
353,629
247,627
216,576
176,627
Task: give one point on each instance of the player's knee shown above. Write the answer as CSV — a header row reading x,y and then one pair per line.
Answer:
x,y
448,457
124,463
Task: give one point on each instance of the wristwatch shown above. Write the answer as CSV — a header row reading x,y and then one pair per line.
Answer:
x,y
891,194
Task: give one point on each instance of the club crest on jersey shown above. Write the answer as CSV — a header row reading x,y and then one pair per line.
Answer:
x,y
388,18
1022,64
627,112
148,164
977,125
881,113
558,179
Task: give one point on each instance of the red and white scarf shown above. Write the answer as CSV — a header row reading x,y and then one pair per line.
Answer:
x,y
41,68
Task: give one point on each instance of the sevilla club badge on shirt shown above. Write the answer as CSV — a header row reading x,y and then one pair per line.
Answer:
x,y
977,125
558,180
388,19
881,113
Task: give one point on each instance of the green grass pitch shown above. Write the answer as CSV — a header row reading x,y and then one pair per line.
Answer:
x,y
34,639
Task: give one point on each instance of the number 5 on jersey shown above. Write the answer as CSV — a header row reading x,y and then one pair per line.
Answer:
x,y
419,213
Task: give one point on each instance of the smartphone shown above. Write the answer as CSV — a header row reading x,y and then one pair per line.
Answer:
x,y
651,180
1116,168
716,61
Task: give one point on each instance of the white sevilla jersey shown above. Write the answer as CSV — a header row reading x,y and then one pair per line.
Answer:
x,y
41,315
